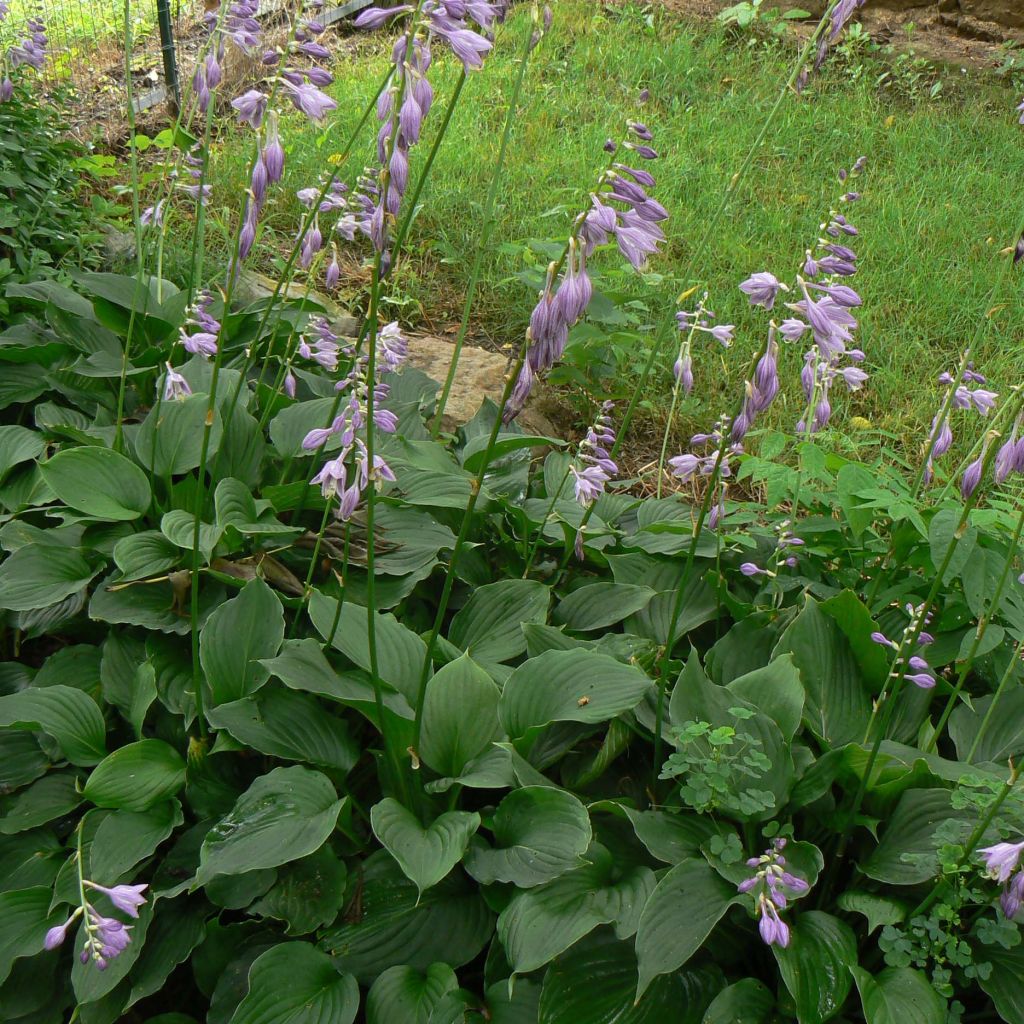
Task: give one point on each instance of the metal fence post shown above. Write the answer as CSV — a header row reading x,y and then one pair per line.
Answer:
x,y
163,12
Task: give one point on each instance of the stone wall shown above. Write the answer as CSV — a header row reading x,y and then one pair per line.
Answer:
x,y
984,19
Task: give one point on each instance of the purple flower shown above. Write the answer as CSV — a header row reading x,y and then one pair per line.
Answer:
x,y
127,898
762,289
922,680
376,17
175,386
774,931
972,477
682,370
251,107
750,569
1002,859
792,329
273,152
310,100
1012,897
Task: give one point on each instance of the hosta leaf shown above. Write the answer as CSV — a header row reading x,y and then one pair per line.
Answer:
x,y
40,575
124,838
177,928
387,926
50,797
17,445
540,923
745,1002
294,983
307,894
289,725
25,918
837,708
460,716
1005,985
679,915
170,439
907,853
1004,732
178,526
145,554
136,776
775,690
899,995
67,714
595,983
99,482
425,855
404,995
400,652
489,627
539,834
669,836
569,686
236,636
599,605
816,964
281,817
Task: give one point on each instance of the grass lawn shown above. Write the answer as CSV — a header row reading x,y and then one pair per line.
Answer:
x,y
942,195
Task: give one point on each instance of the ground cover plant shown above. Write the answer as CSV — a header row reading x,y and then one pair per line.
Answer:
x,y
313,712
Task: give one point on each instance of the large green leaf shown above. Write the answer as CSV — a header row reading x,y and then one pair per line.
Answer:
x,y
148,553
837,708
696,699
99,482
539,834
595,983
404,995
540,923
425,855
907,853
170,439
400,652
777,691
816,964
899,995
125,838
944,534
489,626
307,894
294,983
282,816
450,924
679,915
289,725
569,686
67,714
25,918
745,1002
136,776
177,928
460,716
40,575
1004,732
599,605
17,445
236,636
1005,985
669,836
50,797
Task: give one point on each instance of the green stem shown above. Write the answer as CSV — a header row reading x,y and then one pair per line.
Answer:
x,y
329,639
460,540
544,522
987,720
979,635
976,836
485,230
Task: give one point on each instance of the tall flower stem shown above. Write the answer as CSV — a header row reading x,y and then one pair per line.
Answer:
x,y
485,229
1003,682
421,181
467,519
979,635
133,163
685,575
544,522
711,225
329,639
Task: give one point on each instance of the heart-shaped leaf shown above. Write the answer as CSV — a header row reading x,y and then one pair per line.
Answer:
x,y
67,714
99,482
816,965
899,995
425,855
136,776
404,995
539,834
294,983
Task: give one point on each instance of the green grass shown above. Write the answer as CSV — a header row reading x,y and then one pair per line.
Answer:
x,y
941,196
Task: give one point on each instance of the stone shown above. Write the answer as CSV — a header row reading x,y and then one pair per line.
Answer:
x,y
480,374
252,287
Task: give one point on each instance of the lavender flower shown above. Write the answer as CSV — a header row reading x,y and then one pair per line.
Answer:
x,y
310,100
1002,859
594,466
251,107
762,289
204,340
772,885
176,387
105,937
921,676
